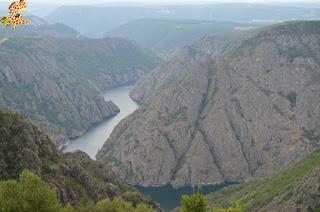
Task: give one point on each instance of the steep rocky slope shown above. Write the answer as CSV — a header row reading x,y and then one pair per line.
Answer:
x,y
58,82
295,189
167,73
74,176
239,117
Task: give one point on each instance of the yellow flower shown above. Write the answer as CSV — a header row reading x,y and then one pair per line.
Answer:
x,y
5,22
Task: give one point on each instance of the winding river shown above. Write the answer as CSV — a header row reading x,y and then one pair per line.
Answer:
x,y
94,139
167,196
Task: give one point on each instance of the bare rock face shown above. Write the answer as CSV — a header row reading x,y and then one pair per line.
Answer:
x,y
59,82
238,117
162,76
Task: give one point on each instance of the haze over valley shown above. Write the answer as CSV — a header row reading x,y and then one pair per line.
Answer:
x,y
105,103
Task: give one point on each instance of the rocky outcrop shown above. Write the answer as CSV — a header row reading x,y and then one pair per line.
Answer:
x,y
167,73
59,82
242,116
74,176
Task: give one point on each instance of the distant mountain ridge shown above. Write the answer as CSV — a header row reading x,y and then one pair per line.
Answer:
x,y
107,18
237,117
167,36
39,27
59,82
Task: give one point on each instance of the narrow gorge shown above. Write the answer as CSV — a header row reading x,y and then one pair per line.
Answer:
x,y
59,82
158,107
94,138
240,116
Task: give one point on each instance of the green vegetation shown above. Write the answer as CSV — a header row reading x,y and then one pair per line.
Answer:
x,y
294,52
238,206
179,165
115,205
15,136
311,135
292,97
194,203
260,192
31,193
24,147
131,197
178,115
199,203
277,109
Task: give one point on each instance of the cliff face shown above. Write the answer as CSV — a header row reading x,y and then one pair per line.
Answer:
x,y
167,73
75,177
242,116
59,82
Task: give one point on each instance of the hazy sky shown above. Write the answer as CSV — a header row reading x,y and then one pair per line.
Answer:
x,y
155,1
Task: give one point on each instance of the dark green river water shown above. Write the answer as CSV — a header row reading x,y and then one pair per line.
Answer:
x,y
169,197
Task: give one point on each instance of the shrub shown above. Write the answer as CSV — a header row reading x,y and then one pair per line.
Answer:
x,y
29,194
116,205
238,206
132,197
194,203
292,97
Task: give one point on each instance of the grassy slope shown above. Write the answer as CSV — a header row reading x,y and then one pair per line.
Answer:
x,y
259,193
